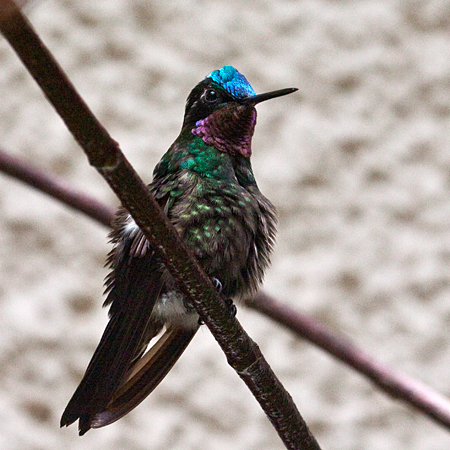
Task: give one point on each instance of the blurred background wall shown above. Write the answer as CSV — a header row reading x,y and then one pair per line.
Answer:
x,y
357,164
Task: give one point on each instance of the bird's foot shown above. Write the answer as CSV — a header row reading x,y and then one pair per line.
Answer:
x,y
228,301
218,284
232,307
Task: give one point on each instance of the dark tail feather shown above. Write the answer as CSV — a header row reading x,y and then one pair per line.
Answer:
x,y
119,346
143,378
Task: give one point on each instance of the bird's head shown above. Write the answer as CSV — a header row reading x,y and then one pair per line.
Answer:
x,y
221,110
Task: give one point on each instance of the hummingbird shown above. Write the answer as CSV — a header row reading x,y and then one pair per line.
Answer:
x,y
205,185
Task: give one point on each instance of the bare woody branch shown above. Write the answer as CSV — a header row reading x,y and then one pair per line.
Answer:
x,y
56,188
104,154
398,385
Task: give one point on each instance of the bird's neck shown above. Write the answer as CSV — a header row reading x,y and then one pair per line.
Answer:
x,y
190,154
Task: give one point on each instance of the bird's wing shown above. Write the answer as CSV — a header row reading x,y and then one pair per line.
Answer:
x,y
134,286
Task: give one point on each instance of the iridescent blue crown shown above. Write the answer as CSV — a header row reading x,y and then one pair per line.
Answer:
x,y
232,81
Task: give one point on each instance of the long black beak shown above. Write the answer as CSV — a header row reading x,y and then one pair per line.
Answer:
x,y
267,96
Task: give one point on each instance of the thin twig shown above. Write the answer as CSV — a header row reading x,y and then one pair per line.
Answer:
x,y
55,187
104,154
398,385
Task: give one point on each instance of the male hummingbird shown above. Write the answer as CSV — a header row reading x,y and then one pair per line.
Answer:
x,y
206,186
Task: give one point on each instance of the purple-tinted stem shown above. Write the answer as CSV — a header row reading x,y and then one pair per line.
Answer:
x,y
55,188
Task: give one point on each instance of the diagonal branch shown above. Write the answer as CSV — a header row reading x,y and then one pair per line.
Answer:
x,y
104,154
400,386
56,188
397,384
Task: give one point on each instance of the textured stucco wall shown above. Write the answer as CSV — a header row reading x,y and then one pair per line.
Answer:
x,y
357,163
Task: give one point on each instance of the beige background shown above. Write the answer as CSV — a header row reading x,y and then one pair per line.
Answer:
x,y
357,163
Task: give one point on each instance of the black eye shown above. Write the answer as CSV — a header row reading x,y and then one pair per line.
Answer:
x,y
211,96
